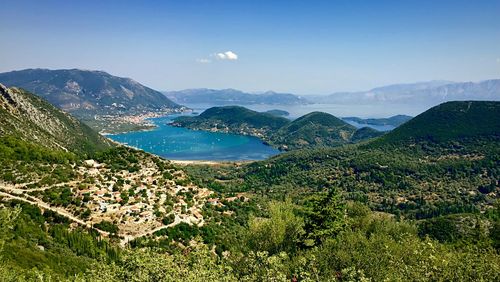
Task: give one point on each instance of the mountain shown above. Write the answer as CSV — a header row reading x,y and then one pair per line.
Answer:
x,y
233,119
395,121
28,117
450,121
84,92
233,97
426,93
313,129
409,87
125,210
278,113
444,161
365,133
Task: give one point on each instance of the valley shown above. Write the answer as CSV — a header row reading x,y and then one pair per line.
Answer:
x,y
90,202
252,141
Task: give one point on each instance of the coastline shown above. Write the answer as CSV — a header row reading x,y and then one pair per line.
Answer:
x,y
130,123
145,119
210,163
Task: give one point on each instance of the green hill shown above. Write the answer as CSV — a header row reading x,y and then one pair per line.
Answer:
x,y
443,161
234,119
29,118
450,121
311,130
236,115
314,129
365,133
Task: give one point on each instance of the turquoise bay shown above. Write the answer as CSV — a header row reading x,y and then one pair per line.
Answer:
x,y
185,144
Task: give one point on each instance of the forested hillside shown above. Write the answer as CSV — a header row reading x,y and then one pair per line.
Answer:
x,y
315,129
421,211
450,121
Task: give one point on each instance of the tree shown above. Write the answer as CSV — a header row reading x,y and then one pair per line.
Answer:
x,y
325,216
280,232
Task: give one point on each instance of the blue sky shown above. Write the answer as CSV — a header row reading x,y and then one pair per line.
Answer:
x,y
304,47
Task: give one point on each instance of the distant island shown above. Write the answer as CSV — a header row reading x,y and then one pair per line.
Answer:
x,y
279,113
224,97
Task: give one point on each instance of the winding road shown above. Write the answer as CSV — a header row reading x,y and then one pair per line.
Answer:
x,y
36,202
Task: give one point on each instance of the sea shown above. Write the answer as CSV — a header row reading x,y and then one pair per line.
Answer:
x,y
178,143
185,144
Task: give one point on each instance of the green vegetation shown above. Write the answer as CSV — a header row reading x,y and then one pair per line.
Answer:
x,y
365,133
37,244
107,226
311,130
28,117
407,206
22,162
233,119
278,113
395,121
450,121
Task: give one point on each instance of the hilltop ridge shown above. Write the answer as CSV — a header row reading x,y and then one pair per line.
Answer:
x,y
450,121
310,130
28,117
86,92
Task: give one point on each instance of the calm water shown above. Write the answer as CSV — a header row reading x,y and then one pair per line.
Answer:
x,y
185,144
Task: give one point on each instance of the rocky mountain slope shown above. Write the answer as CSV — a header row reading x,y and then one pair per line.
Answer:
x,y
30,118
85,92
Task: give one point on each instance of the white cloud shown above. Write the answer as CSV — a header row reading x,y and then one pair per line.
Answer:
x,y
228,55
498,60
203,61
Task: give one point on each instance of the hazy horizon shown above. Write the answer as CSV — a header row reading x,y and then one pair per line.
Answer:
x,y
306,48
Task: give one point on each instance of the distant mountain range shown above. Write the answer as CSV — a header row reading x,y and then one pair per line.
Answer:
x,y
424,93
84,92
428,93
311,130
233,97
27,117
